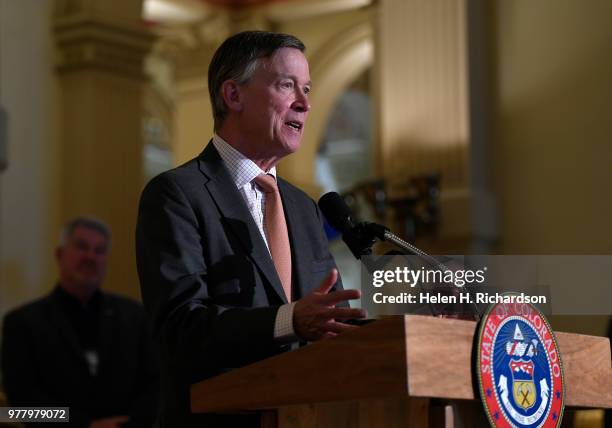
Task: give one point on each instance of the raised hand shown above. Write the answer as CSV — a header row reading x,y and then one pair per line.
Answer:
x,y
315,315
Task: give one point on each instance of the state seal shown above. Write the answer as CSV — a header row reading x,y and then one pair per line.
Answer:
x,y
519,369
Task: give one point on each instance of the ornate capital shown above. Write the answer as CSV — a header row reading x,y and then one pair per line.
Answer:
x,y
96,43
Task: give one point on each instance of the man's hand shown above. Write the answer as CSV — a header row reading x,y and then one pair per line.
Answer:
x,y
315,315
112,422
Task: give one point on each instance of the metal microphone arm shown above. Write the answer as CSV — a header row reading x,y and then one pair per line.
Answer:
x,y
384,234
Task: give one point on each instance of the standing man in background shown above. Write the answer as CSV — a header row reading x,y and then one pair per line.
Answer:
x,y
80,347
233,262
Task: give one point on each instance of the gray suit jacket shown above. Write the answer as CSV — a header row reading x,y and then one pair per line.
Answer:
x,y
207,279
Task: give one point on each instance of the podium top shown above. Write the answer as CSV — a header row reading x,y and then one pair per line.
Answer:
x,y
411,355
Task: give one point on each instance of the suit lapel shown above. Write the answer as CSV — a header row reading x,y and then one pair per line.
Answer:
x,y
236,215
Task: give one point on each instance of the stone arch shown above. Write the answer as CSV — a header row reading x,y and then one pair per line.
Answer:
x,y
333,69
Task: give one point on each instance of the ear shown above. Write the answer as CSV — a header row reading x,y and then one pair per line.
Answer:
x,y
232,95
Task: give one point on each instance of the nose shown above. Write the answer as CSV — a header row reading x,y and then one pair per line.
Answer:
x,y
90,256
301,103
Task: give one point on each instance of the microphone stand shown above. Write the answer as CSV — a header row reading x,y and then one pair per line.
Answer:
x,y
362,237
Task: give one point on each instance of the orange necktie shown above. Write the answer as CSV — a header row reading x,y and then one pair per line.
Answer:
x,y
276,231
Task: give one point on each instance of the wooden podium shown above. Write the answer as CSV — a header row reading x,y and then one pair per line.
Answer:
x,y
396,372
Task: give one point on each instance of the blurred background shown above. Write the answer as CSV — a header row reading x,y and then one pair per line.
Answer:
x,y
467,126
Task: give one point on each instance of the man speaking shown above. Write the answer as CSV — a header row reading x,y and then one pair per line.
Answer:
x,y
233,262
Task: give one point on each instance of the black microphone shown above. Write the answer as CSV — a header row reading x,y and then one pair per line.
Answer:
x,y
335,210
357,237
362,236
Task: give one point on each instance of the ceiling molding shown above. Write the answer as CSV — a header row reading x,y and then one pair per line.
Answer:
x,y
303,9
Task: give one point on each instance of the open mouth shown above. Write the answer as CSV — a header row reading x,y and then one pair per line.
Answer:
x,y
295,125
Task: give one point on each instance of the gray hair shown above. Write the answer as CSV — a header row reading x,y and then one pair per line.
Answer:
x,y
88,222
237,59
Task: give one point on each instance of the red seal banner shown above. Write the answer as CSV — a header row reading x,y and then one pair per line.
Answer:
x,y
519,368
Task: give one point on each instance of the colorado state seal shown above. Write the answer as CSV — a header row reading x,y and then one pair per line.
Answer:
x,y
519,370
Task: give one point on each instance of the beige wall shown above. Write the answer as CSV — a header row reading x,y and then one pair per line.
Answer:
x,y
553,126
29,211
193,119
552,142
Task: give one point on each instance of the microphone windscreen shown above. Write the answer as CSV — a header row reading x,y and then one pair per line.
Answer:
x,y
335,210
